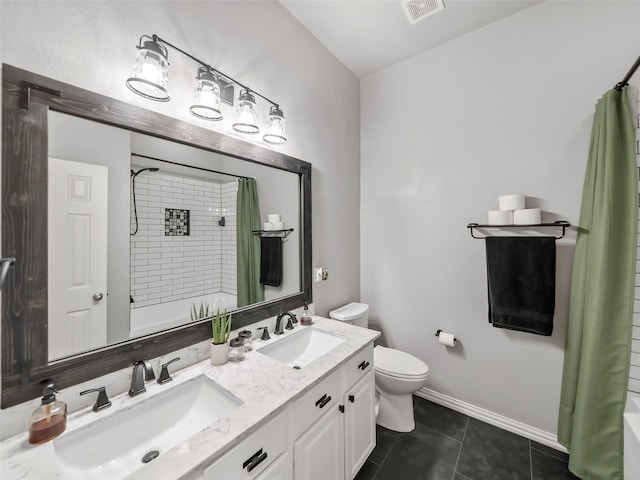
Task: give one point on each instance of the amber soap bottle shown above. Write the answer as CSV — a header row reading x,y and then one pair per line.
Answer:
x,y
48,420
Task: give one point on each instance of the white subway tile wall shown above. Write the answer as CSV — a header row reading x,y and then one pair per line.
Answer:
x,y
166,268
634,371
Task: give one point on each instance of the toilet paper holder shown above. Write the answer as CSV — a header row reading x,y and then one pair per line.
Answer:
x,y
563,224
447,339
438,332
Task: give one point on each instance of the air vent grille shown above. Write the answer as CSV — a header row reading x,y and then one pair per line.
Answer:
x,y
417,10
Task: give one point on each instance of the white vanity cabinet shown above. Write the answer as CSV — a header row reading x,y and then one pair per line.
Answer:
x,y
326,434
318,454
264,455
280,469
359,424
334,444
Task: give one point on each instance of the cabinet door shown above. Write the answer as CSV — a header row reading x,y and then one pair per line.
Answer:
x,y
359,424
318,452
280,469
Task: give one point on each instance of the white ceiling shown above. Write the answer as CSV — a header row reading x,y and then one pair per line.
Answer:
x,y
368,35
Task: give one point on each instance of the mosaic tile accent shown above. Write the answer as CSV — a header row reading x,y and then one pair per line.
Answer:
x,y
176,222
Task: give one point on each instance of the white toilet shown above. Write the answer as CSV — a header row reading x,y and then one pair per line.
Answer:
x,y
398,374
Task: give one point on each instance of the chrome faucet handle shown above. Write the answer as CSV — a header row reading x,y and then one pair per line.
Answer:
x,y
265,333
294,319
102,401
289,324
164,372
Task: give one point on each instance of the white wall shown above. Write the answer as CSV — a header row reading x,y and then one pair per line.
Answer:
x,y
92,45
505,109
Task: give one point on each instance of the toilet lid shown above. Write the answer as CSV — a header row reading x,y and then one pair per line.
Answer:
x,y
397,363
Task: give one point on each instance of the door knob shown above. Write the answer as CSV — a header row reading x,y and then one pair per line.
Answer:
x,y
97,297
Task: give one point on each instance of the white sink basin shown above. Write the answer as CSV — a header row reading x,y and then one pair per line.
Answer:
x,y
302,348
114,447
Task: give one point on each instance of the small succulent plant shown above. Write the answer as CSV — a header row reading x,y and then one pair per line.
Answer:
x,y
221,326
200,314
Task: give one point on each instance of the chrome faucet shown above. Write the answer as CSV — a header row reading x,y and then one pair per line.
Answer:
x,y
292,319
142,371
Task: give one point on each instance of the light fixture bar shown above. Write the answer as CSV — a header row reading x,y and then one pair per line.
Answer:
x,y
156,38
150,80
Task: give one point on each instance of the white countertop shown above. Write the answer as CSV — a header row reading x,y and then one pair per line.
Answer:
x,y
265,386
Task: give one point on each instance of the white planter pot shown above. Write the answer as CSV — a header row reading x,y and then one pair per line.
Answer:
x,y
219,353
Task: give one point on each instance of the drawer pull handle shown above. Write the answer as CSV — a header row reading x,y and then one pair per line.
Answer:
x,y
323,401
352,398
363,365
255,460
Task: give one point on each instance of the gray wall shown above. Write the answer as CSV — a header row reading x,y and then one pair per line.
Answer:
x,y
505,109
78,140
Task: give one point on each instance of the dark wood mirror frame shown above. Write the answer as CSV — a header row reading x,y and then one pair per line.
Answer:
x,y
26,100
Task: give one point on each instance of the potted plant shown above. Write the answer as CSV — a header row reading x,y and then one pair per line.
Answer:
x,y
220,326
199,314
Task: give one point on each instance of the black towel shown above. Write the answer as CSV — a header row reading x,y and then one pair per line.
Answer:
x,y
521,278
271,261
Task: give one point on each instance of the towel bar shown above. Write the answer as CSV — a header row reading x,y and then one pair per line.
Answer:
x,y
273,233
556,225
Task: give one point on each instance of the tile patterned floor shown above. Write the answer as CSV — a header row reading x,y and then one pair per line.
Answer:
x,y
447,445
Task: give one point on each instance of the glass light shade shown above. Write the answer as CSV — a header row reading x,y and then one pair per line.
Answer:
x,y
151,72
206,100
276,132
246,114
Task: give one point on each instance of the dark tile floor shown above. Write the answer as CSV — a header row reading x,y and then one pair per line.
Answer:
x,y
447,445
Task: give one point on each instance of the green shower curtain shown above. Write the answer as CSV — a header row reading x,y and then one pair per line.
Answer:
x,y
597,354
248,251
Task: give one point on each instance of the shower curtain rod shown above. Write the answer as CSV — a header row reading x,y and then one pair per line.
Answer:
x,y
625,80
189,166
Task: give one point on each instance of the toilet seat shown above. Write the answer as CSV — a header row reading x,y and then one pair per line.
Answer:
x,y
398,364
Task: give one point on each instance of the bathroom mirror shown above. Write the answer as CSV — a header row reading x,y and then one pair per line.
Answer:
x,y
58,141
150,230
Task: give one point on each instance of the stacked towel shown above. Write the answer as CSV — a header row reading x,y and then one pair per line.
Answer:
x,y
521,274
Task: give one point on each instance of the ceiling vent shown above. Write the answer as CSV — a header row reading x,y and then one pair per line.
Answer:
x,y
417,10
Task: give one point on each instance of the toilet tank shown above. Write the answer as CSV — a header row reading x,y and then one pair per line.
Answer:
x,y
356,313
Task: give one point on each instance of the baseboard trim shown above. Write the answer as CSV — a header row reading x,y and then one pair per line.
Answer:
x,y
492,418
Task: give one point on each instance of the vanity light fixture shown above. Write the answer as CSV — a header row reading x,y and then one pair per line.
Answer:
x,y
275,133
206,100
246,114
151,71
150,80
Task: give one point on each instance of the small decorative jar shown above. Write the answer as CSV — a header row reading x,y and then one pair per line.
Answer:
x,y
246,336
237,350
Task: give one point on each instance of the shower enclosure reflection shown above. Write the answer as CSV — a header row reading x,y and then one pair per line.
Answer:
x,y
144,229
180,255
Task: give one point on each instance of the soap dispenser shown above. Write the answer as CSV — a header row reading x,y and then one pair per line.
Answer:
x,y
48,420
306,319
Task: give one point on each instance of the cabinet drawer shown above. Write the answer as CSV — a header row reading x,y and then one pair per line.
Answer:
x,y
253,455
359,365
315,402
